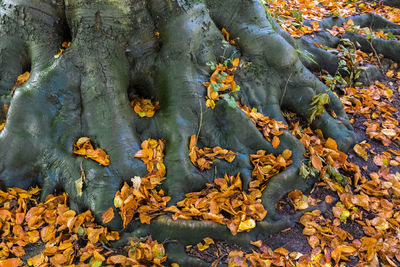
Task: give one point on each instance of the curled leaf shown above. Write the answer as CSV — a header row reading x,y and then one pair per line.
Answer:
x,y
84,147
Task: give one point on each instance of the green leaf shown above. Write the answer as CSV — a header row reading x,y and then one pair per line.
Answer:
x,y
95,263
303,172
230,99
345,214
337,177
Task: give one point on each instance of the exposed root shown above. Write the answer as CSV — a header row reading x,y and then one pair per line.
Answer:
x,y
85,93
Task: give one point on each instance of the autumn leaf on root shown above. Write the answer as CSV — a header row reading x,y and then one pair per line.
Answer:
x,y
144,107
84,148
143,199
21,79
204,157
108,215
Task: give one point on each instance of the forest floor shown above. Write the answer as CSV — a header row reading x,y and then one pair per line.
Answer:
x,y
361,188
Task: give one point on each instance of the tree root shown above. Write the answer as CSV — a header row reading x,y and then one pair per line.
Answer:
x,y
325,60
85,93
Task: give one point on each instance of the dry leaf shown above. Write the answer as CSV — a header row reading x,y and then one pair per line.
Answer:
x,y
360,151
108,215
84,147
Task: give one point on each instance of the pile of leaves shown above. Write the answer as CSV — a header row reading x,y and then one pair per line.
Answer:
x,y
374,104
268,165
143,198
144,107
223,201
291,14
203,158
266,125
227,195
221,80
66,237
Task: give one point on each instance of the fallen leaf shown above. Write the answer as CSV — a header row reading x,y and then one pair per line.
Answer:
x,y
84,147
108,215
360,151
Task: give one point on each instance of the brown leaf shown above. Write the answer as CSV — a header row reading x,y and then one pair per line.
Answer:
x,y
20,81
84,147
331,144
316,162
108,215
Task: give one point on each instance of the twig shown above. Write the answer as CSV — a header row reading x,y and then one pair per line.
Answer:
x,y
375,53
201,120
370,43
284,89
216,262
82,172
106,248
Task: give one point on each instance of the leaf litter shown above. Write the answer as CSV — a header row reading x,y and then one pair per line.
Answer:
x,y
365,184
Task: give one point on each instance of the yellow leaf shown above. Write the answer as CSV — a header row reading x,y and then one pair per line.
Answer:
x,y
246,225
360,151
210,103
79,186
117,202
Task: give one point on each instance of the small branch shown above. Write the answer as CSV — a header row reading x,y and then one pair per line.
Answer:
x,y
284,89
375,53
201,120
216,262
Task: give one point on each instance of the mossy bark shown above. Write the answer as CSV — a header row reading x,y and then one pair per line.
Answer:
x,y
115,52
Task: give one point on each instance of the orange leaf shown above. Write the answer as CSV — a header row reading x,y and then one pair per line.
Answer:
x,y
256,243
108,215
235,62
84,147
192,142
11,262
331,144
316,162
275,142
225,34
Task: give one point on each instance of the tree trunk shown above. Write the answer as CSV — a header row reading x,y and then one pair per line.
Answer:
x,y
157,49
